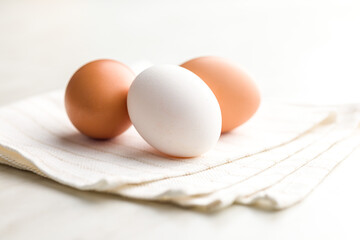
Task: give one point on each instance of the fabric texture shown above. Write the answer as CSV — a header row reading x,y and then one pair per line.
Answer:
x,y
273,161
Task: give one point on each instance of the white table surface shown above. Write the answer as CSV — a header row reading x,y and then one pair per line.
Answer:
x,y
298,51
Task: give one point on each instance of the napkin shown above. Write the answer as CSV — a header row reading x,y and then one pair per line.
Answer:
x,y
272,161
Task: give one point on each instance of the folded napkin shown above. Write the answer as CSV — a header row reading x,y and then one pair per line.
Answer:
x,y
272,161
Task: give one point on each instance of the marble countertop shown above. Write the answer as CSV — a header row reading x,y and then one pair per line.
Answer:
x,y
304,51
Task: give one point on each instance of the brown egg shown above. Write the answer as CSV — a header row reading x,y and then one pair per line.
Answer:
x,y
238,96
95,98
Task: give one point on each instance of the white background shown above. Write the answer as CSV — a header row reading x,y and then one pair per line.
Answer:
x,y
298,51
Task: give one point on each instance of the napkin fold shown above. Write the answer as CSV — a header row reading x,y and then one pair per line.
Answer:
x,y
274,161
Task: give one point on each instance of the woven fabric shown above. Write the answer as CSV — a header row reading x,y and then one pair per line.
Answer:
x,y
273,161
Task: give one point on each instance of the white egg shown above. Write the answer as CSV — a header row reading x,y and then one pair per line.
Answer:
x,y
174,111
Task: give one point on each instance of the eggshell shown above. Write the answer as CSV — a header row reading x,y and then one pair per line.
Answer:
x,y
95,98
174,111
238,95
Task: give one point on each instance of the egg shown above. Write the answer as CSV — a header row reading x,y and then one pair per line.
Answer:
x,y
95,98
174,111
237,93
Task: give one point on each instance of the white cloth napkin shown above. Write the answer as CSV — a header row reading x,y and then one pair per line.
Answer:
x,y
273,161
